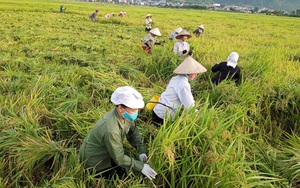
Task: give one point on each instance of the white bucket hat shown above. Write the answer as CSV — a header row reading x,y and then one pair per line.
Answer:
x,y
190,66
183,33
155,31
232,59
127,96
201,26
148,15
178,30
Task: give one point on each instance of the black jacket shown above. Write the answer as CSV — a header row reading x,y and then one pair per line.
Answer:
x,y
225,72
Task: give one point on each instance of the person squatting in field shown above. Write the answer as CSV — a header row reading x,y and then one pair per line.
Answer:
x,y
178,92
148,22
109,15
174,33
199,30
103,151
227,70
150,40
122,14
94,15
182,47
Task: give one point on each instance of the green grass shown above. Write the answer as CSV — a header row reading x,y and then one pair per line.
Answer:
x,y
58,71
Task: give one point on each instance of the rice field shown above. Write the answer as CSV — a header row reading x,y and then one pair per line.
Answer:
x,y
58,71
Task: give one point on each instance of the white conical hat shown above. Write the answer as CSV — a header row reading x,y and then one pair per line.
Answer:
x,y
155,31
201,26
148,15
178,30
183,33
190,66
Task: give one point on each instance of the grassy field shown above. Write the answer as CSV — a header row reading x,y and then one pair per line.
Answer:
x,y
58,71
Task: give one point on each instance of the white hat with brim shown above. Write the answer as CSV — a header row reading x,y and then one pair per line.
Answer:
x,y
148,15
190,66
178,30
201,26
127,96
183,33
155,31
232,59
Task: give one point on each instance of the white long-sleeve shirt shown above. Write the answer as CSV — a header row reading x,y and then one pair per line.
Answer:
x,y
178,93
180,46
148,22
149,39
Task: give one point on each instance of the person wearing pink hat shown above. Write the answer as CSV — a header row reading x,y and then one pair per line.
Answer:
x,y
102,151
93,15
227,70
199,30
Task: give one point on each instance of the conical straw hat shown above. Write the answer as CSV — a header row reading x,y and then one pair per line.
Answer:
x,y
189,66
201,26
178,30
183,33
155,31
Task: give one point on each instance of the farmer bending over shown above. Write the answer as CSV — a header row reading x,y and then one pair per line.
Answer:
x,y
150,39
102,150
178,92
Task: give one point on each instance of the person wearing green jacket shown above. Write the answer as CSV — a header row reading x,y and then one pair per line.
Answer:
x,y
103,151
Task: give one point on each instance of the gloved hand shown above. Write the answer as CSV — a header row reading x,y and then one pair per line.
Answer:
x,y
143,157
190,53
149,172
184,51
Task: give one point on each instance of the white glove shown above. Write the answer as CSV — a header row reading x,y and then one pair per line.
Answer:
x,y
149,172
143,157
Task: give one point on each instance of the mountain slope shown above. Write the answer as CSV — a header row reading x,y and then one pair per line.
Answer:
x,y
288,5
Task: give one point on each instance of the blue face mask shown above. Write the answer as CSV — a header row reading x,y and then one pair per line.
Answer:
x,y
130,117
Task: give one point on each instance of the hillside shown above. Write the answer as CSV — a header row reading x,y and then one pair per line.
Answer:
x,y
288,5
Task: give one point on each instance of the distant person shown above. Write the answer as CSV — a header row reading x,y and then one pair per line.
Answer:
x,y
182,47
175,33
109,15
199,30
103,150
178,92
150,40
94,15
227,70
62,8
122,14
148,22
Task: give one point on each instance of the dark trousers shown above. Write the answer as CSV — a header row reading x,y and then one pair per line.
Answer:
x,y
157,121
110,172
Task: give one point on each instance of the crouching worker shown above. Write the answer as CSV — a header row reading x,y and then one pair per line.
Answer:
x,y
199,30
150,40
102,150
178,92
227,70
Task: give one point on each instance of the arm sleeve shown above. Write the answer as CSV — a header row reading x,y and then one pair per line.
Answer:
x,y
135,139
115,148
216,67
186,97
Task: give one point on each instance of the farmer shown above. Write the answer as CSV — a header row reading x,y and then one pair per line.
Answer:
x,y
174,33
93,15
62,8
103,151
227,70
178,93
121,14
150,39
148,22
109,15
199,30
182,47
